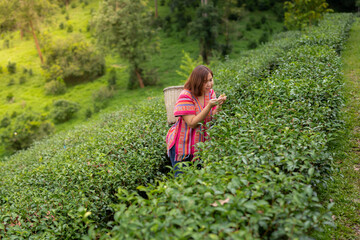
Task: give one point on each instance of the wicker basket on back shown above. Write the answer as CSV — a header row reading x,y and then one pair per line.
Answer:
x,y
171,95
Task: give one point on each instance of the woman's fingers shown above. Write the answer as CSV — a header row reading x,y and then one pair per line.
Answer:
x,y
221,99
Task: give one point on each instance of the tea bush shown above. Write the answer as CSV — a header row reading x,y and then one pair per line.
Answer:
x,y
103,93
26,128
11,67
43,188
5,122
63,110
55,87
270,146
22,80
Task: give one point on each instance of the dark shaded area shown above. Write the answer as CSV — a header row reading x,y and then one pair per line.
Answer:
x,y
342,6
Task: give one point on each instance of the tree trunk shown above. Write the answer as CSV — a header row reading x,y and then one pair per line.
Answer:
x,y
227,38
36,42
204,2
204,53
141,83
156,9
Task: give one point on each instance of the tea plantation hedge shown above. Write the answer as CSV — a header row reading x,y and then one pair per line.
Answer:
x,y
270,146
42,189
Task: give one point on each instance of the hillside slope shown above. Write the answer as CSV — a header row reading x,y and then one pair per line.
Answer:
x,y
30,96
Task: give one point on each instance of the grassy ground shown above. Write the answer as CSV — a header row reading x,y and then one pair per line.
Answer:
x,y
30,96
344,190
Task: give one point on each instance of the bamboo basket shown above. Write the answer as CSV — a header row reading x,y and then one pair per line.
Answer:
x,y
171,95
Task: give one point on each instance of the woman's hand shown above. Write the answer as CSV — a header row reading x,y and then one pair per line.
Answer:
x,y
217,101
213,102
221,99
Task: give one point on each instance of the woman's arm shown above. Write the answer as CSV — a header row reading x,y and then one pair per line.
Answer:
x,y
193,120
221,100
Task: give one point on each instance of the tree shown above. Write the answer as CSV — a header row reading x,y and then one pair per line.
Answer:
x,y
125,25
206,28
6,23
229,9
73,59
27,14
358,5
302,13
156,9
182,10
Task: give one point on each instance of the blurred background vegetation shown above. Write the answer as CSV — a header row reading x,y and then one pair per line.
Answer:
x,y
64,62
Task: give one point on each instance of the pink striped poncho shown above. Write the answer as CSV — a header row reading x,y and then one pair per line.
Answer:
x,y
180,134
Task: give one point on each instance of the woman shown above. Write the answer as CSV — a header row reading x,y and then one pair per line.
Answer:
x,y
195,105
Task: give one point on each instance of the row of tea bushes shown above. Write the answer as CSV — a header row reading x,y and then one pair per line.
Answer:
x,y
269,148
49,190
41,189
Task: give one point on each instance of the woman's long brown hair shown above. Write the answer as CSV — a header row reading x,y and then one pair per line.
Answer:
x,y
197,79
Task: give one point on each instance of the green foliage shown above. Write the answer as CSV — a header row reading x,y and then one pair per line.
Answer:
x,y
10,97
112,78
230,11
270,147
127,29
278,9
181,11
22,79
88,113
264,37
26,128
74,173
302,13
205,27
86,62
263,20
1,69
63,110
61,26
257,24
11,67
69,28
103,93
252,44
5,122
248,26
27,15
6,43
55,87
11,82
187,65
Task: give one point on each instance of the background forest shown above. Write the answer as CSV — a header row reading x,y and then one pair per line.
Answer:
x,y
61,63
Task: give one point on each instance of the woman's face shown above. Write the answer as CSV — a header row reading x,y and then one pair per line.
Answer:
x,y
208,84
